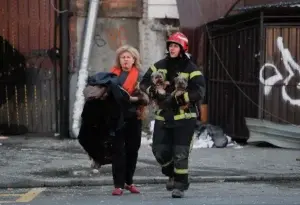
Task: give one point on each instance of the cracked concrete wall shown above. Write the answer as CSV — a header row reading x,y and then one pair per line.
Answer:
x,y
152,43
117,24
110,34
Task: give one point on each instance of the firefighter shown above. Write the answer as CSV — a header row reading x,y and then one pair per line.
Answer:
x,y
176,115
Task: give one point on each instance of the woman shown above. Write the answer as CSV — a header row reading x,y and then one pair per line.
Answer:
x,y
127,140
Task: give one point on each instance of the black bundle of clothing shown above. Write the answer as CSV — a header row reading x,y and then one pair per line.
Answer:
x,y
101,119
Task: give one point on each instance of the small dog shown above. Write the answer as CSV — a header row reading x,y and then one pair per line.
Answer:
x,y
181,84
158,80
143,100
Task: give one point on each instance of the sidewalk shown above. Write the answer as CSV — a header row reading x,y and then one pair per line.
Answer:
x,y
37,162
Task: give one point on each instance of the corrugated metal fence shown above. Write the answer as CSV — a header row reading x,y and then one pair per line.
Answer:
x,y
282,97
250,72
232,75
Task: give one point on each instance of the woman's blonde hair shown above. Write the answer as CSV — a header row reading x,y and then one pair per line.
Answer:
x,y
130,49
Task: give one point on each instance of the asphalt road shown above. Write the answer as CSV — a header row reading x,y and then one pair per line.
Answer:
x,y
198,194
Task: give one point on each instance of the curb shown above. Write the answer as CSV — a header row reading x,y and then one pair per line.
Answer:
x,y
33,182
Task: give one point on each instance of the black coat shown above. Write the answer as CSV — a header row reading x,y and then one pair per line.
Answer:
x,y
100,119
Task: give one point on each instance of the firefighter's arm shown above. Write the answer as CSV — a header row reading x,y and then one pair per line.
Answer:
x,y
196,87
195,90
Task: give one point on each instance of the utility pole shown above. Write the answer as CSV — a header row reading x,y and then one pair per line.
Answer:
x,y
64,68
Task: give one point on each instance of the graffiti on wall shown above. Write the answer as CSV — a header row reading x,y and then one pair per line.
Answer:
x,y
115,36
290,66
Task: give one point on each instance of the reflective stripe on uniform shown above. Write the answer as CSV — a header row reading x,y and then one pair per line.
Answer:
x,y
184,75
190,75
158,111
167,163
181,171
153,68
161,70
186,97
178,117
164,71
195,73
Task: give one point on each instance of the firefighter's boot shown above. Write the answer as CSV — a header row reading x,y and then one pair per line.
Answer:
x,y
176,193
170,184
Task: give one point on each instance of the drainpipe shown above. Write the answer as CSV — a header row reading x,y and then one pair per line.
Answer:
x,y
64,68
84,63
261,62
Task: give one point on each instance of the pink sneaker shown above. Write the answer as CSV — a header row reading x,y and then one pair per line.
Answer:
x,y
117,192
132,188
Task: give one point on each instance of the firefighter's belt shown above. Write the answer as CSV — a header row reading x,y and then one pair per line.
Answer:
x,y
179,116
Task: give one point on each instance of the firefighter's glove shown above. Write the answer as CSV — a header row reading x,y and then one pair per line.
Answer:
x,y
182,99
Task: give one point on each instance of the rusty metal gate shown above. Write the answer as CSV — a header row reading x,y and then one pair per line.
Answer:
x,y
232,75
245,51
27,75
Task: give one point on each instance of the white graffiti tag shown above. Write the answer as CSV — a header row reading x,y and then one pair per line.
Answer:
x,y
290,65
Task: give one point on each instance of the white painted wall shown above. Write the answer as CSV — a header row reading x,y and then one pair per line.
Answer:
x,y
152,43
162,9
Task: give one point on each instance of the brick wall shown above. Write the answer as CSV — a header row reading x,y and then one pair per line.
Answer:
x,y
111,8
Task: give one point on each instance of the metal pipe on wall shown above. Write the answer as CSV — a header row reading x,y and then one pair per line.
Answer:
x,y
64,68
261,60
56,18
84,63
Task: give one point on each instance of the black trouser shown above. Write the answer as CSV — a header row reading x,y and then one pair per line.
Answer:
x,y
171,148
125,149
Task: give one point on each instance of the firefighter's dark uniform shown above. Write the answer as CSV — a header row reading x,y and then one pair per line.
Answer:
x,y
174,127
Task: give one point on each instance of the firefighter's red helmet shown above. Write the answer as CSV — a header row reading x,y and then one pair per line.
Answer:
x,y
180,39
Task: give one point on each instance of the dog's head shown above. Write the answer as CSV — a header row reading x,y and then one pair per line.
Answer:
x,y
181,83
157,77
